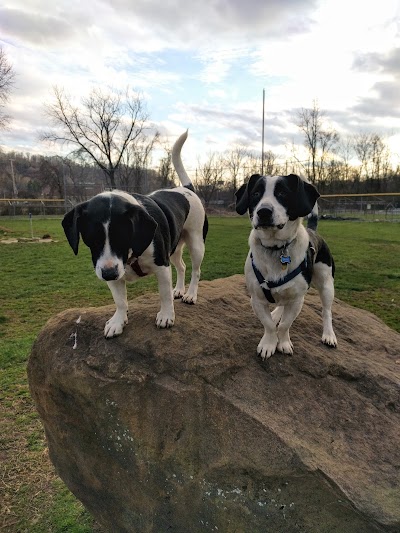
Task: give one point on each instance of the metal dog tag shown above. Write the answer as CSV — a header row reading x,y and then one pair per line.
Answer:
x,y
285,260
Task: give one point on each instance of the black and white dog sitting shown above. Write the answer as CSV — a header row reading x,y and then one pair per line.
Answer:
x,y
131,236
284,257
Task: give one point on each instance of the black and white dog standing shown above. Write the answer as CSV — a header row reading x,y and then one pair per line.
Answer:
x,y
131,236
284,257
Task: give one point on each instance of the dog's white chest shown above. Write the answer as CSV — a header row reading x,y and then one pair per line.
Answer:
x,y
290,291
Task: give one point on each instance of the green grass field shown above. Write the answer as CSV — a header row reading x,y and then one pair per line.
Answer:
x,y
39,280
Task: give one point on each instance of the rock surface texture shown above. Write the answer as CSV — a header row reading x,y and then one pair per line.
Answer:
x,y
186,430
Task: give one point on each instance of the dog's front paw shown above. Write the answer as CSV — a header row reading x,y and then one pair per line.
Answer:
x,y
266,347
284,343
165,320
285,347
115,326
189,298
329,339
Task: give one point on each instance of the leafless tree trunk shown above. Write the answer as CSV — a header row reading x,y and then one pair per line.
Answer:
x,y
166,170
253,163
133,169
363,149
209,177
101,129
319,141
234,161
7,77
80,179
51,175
310,123
270,166
294,164
345,152
327,143
380,157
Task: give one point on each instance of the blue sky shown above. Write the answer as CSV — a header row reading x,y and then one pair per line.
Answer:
x,y
203,65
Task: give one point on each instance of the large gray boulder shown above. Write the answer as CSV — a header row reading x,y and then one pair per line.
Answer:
x,y
186,430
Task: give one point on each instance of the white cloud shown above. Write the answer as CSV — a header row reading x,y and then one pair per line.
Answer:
x,y
204,64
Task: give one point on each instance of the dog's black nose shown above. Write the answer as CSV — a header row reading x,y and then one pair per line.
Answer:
x,y
109,274
264,215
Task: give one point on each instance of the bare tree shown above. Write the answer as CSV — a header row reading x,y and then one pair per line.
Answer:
x,y
293,163
52,176
101,129
234,161
7,77
373,154
209,176
310,123
327,143
380,157
83,179
362,148
319,140
270,165
253,163
132,175
166,170
345,151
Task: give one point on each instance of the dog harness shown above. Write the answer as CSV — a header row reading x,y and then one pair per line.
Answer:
x,y
266,286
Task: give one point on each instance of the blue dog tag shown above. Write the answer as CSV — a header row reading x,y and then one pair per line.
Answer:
x,y
285,260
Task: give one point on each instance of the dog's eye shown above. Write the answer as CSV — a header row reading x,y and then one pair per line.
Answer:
x,y
256,195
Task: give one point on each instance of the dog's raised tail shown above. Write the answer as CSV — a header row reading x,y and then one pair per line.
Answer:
x,y
177,161
312,221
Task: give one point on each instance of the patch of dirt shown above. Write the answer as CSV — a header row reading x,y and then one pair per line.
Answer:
x,y
3,229
26,240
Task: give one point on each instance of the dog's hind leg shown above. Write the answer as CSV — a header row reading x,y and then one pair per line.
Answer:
x,y
195,244
179,264
115,325
323,281
290,312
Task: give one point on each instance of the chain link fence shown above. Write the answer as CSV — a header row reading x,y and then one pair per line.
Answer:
x,y
383,207
14,207
366,207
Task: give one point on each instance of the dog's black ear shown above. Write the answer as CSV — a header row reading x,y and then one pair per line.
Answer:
x,y
243,194
305,196
71,222
242,199
144,227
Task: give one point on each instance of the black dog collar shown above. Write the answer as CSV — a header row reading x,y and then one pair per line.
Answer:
x,y
276,248
134,264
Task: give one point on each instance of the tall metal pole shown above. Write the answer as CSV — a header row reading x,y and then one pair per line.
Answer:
x,y
262,149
